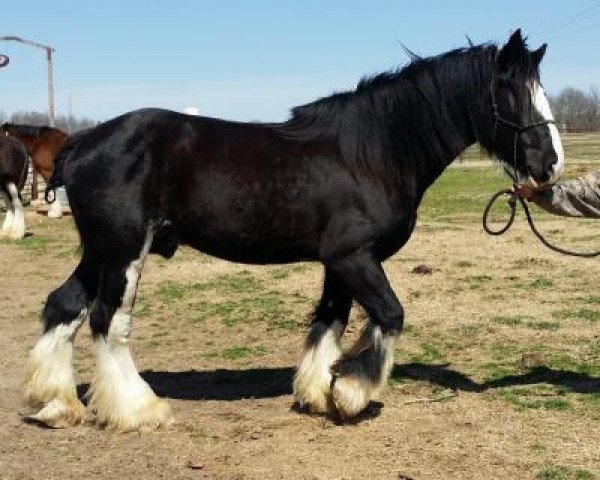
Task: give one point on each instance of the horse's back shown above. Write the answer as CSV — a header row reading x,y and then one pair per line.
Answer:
x,y
236,190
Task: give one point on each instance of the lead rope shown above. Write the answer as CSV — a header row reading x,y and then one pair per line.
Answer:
x,y
514,197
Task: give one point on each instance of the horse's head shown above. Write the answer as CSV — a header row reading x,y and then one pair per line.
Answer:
x,y
8,128
524,135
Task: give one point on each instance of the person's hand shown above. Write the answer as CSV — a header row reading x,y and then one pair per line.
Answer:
x,y
525,192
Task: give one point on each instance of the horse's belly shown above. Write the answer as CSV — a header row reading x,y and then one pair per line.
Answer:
x,y
250,240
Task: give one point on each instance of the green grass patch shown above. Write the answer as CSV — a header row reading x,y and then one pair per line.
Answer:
x,y
511,321
544,325
592,300
241,352
541,283
464,264
240,282
461,193
501,351
588,314
474,282
591,399
149,344
564,361
35,243
142,307
430,353
534,398
497,370
564,473
169,291
269,307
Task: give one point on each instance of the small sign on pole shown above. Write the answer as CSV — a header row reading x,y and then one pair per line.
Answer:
x,y
4,60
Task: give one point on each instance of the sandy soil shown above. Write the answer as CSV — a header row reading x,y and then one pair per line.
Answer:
x,y
471,324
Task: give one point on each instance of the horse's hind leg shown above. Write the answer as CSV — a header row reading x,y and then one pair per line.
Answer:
x,y
8,219
312,383
17,229
363,371
55,209
119,397
50,378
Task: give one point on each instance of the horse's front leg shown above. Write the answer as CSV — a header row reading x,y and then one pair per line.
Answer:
x,y
362,372
312,383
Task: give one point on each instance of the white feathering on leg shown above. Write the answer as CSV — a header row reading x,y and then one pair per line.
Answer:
x,y
119,397
50,378
55,209
312,383
364,373
17,229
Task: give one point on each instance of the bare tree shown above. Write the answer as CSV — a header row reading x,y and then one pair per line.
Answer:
x,y
577,111
68,124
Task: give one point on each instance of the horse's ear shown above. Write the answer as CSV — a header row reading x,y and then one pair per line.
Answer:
x,y
512,50
536,56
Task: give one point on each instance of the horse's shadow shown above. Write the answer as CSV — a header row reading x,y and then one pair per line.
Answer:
x,y
446,377
274,382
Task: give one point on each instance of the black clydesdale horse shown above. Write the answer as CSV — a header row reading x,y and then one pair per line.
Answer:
x,y
339,183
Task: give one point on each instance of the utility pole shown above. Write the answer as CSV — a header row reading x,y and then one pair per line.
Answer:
x,y
49,50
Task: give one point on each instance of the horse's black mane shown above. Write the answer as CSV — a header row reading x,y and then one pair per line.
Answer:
x,y
404,105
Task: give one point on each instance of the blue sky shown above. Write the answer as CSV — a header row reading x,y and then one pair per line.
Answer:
x,y
256,59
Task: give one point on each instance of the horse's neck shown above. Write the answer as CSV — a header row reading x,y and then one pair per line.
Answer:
x,y
28,142
451,117
43,151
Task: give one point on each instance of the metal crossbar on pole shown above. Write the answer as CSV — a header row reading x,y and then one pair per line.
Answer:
x,y
49,50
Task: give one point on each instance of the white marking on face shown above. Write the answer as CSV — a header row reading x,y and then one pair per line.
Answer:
x,y
541,104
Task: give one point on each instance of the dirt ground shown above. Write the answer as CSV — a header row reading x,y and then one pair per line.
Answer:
x,y
497,375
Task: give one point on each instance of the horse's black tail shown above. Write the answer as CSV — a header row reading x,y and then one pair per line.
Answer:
x,y
56,180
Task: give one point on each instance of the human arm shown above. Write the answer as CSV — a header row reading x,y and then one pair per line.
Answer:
x,y
579,197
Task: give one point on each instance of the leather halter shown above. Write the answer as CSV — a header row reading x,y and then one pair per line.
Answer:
x,y
515,127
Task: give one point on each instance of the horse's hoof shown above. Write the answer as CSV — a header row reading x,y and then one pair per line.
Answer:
x,y
321,407
314,401
145,414
350,395
58,414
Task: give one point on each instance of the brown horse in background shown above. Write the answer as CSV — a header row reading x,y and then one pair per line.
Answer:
x,y
13,172
42,145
